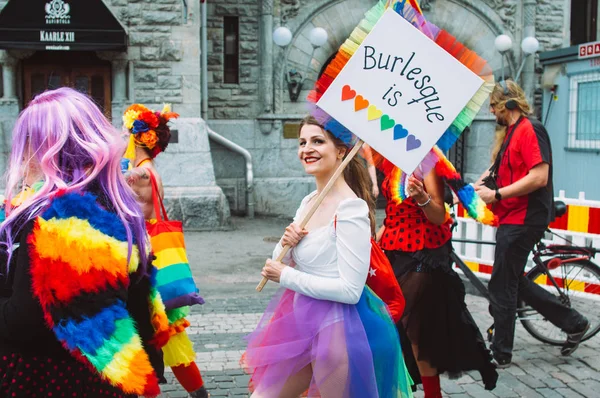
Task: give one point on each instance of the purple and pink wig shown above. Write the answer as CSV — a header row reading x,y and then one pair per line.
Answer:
x,y
73,145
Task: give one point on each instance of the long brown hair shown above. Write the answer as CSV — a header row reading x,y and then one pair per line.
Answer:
x,y
499,97
355,174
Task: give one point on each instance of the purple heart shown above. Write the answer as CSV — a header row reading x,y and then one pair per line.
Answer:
x,y
412,143
399,132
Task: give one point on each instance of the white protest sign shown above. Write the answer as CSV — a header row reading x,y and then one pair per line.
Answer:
x,y
400,91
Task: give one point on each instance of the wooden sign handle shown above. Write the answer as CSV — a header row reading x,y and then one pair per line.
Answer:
x,y
317,203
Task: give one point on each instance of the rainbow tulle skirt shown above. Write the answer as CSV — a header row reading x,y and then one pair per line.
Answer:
x,y
351,350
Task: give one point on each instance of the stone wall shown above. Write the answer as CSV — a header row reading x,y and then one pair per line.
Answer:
x,y
164,54
162,65
163,51
280,182
551,24
233,101
279,178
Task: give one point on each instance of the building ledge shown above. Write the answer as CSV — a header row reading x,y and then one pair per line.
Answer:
x,y
559,56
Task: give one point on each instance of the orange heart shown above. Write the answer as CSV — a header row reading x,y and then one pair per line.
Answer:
x,y
360,103
347,93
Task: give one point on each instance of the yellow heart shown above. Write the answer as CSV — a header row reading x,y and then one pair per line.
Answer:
x,y
373,113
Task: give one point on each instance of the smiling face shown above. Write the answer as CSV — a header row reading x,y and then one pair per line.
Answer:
x,y
317,151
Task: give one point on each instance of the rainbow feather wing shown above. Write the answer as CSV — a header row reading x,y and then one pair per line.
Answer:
x,y
466,194
80,275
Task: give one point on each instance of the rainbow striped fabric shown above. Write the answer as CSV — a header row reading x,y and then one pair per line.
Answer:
x,y
81,275
175,281
176,286
410,11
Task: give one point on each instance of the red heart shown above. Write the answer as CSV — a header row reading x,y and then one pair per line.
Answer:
x,y
360,103
347,93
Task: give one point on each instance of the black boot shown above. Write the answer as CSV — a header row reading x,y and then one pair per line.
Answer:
x,y
199,393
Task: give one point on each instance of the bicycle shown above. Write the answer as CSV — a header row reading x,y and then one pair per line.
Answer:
x,y
569,274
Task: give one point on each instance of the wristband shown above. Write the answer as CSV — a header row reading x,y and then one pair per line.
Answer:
x,y
426,202
498,195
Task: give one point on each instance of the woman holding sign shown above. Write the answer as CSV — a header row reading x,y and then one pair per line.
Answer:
x,y
326,332
416,238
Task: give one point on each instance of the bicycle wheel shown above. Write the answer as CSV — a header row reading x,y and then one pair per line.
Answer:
x,y
580,283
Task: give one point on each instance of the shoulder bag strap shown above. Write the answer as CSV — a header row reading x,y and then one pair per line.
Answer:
x,y
157,200
496,165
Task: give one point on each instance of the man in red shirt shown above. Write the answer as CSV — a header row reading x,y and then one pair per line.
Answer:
x,y
523,200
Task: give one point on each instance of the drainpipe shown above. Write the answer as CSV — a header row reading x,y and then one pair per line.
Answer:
x,y
232,146
249,173
204,61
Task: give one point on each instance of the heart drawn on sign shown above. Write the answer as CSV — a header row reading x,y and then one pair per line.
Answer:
x,y
360,103
387,122
373,113
412,143
400,132
347,93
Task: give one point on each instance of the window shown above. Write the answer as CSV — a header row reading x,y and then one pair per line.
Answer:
x,y
584,111
231,37
584,21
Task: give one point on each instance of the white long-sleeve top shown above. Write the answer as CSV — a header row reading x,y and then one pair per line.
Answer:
x,y
331,262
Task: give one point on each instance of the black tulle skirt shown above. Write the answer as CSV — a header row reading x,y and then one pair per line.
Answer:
x,y
436,318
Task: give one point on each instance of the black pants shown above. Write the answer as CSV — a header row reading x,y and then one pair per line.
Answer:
x,y
507,284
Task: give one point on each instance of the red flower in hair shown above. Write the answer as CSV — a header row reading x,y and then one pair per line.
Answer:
x,y
150,118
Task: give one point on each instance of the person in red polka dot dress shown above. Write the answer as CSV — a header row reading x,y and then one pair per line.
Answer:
x,y
416,238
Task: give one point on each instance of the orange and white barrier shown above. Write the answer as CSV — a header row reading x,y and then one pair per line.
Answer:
x,y
580,225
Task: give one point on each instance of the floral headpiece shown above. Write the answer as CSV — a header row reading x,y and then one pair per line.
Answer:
x,y
149,129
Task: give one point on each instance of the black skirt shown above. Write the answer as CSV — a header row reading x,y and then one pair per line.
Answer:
x,y
43,377
436,318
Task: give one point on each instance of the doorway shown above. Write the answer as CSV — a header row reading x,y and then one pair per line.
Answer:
x,y
83,71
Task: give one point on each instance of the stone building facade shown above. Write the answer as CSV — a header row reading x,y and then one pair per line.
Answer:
x,y
247,98
159,64
259,114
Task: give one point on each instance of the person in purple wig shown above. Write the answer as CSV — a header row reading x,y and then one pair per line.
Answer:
x,y
75,275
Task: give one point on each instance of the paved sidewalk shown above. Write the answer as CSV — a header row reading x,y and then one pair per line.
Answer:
x,y
226,265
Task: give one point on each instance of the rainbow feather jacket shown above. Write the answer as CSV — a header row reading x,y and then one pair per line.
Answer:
x,y
410,11
81,276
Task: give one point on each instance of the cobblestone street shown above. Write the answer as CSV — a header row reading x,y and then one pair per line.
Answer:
x,y
226,265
